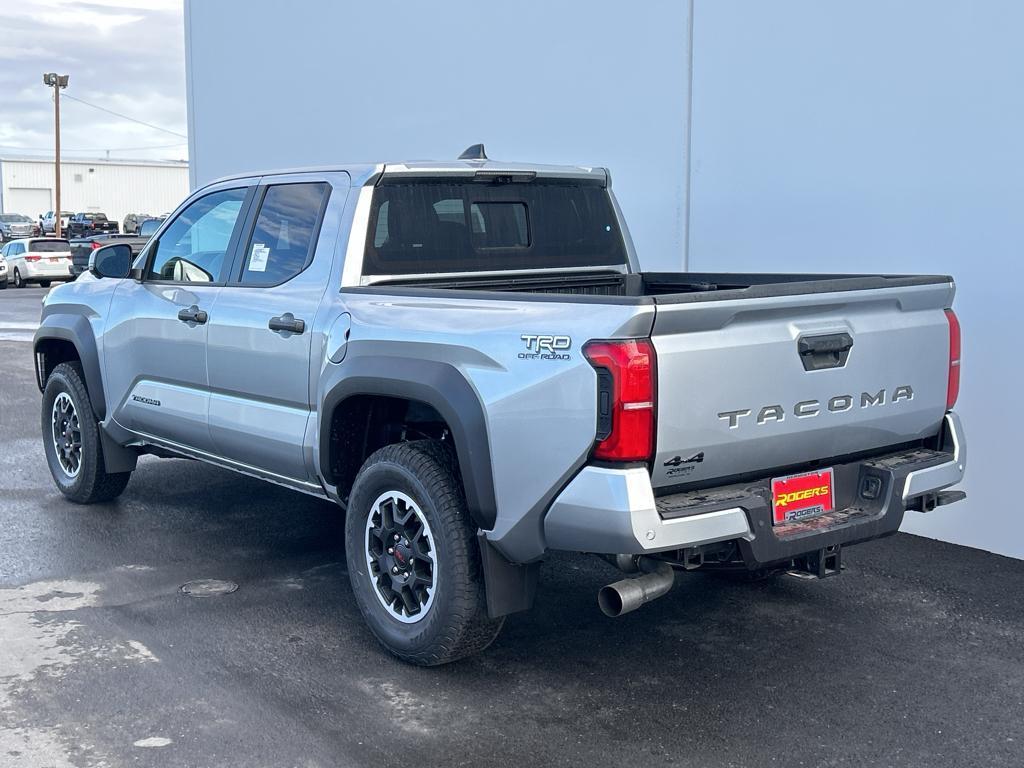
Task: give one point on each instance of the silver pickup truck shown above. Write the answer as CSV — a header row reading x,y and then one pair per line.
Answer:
x,y
466,357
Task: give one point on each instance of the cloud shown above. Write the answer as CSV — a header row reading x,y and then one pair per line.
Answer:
x,y
125,55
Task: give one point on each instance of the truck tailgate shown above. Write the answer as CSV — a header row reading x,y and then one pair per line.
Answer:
x,y
766,383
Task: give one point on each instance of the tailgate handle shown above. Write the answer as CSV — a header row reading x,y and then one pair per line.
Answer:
x,y
819,353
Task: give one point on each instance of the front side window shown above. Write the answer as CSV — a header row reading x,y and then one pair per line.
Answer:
x,y
285,234
193,247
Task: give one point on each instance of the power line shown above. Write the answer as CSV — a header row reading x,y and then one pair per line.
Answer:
x,y
94,149
126,117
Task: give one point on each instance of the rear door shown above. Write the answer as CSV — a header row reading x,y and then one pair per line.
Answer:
x,y
155,340
50,258
261,329
757,384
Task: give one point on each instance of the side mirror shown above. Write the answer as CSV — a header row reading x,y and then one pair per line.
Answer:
x,y
111,260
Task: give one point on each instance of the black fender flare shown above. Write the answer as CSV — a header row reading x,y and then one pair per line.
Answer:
x,y
439,385
77,330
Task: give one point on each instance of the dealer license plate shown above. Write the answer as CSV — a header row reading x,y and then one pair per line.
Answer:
x,y
798,497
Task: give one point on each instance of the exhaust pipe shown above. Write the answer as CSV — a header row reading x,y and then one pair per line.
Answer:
x,y
629,594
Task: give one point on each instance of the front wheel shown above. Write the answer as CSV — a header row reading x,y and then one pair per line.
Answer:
x,y
71,440
413,559
3,285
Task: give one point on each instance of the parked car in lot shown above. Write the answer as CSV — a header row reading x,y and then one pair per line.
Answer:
x,y
48,222
130,225
149,227
39,260
15,225
4,275
83,224
466,357
82,248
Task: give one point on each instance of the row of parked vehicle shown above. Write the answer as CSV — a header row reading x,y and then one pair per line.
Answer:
x,y
17,225
46,260
87,223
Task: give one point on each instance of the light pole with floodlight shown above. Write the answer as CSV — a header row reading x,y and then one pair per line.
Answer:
x,y
56,82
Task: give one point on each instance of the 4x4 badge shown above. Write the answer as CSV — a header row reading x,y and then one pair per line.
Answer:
x,y
675,461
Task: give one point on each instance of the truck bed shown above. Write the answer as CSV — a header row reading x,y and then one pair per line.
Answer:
x,y
744,383
670,287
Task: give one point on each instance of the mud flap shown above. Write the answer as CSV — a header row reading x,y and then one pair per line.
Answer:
x,y
510,587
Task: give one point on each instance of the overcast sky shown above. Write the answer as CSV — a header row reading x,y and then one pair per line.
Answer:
x,y
125,55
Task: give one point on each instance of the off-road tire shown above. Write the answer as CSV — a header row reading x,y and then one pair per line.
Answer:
x,y
456,623
93,483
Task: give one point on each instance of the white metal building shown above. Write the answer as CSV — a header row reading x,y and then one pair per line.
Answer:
x,y
113,187
784,136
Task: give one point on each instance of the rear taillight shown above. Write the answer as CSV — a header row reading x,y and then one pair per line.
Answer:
x,y
95,245
32,257
953,388
626,371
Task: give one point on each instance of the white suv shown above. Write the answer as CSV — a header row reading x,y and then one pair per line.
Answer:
x,y
37,260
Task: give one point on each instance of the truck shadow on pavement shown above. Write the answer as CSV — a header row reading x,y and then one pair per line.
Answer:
x,y
894,662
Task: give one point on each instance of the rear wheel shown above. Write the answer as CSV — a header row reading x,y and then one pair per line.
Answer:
x,y
18,282
71,440
413,559
44,283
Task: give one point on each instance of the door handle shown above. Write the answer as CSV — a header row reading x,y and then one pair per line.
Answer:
x,y
287,323
821,352
193,314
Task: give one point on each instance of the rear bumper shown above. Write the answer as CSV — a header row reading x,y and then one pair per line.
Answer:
x,y
615,511
45,271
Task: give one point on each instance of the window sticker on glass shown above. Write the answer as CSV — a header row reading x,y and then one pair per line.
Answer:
x,y
258,257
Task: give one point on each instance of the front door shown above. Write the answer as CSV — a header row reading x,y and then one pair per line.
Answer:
x,y
155,339
261,329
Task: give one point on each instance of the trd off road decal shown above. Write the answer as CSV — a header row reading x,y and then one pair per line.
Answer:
x,y
542,346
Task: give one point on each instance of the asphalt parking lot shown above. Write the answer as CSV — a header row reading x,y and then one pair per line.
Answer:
x,y
913,657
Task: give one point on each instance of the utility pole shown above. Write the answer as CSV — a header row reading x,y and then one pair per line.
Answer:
x,y
56,82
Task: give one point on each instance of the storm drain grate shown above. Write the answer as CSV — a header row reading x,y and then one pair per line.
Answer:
x,y
208,588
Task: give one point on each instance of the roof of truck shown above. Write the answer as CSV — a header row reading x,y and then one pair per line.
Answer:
x,y
361,172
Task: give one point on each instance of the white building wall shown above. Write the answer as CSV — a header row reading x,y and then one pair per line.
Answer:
x,y
879,136
826,137
115,188
541,81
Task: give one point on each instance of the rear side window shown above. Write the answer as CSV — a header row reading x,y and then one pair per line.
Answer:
x,y
427,226
285,234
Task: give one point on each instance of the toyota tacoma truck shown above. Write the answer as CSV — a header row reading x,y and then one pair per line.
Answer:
x,y
466,357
